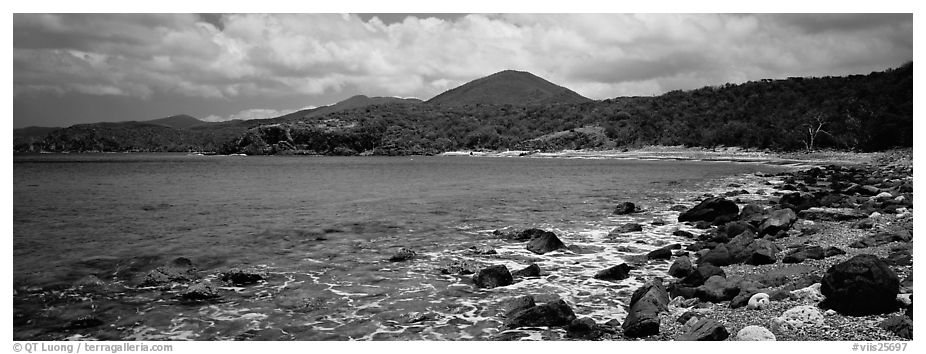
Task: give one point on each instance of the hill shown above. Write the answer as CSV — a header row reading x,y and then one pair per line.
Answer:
x,y
181,121
508,87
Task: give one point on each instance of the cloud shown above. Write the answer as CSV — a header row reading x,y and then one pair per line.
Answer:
x,y
598,55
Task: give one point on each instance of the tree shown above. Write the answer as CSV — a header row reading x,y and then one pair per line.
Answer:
x,y
813,128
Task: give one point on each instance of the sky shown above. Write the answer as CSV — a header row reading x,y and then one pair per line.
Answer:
x,y
83,68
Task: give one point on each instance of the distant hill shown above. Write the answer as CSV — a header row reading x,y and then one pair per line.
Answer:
x,y
508,87
354,102
181,121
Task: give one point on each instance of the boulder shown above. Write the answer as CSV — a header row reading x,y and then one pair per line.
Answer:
x,y
803,253
709,210
239,276
517,304
681,267
662,253
719,256
752,214
755,333
881,238
761,252
900,325
798,317
544,243
705,330
778,220
628,227
625,208
738,246
758,301
717,289
584,328
900,256
403,255
532,270
618,272
862,285
643,313
832,251
700,274
797,201
732,229
831,214
493,276
552,314
683,233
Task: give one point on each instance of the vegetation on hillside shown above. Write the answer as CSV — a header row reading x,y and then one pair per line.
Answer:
x,y
858,112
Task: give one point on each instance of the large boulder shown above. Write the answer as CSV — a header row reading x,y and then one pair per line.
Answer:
x,y
524,235
705,330
554,313
778,220
493,276
645,305
755,333
681,267
862,285
762,251
544,243
797,201
618,272
752,214
738,245
625,208
709,210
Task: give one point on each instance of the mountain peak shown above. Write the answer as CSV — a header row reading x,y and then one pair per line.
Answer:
x,y
508,87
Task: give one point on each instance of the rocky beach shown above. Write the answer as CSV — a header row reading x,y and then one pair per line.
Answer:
x,y
823,253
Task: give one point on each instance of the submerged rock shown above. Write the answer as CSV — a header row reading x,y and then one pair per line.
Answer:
x,y
544,243
402,255
180,270
493,276
532,270
458,267
203,290
618,272
625,208
238,276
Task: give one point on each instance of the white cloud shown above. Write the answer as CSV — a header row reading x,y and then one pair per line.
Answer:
x,y
600,56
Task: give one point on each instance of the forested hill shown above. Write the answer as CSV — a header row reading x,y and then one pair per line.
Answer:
x,y
858,112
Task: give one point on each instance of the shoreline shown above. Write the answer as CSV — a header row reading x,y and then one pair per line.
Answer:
x,y
728,154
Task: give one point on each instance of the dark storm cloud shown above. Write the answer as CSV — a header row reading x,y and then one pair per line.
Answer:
x,y
313,59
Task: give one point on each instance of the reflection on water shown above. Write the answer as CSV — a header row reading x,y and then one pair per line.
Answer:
x,y
322,229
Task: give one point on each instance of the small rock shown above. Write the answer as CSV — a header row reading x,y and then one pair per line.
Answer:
x,y
798,317
629,227
483,250
809,294
705,330
755,333
681,267
758,301
532,270
900,325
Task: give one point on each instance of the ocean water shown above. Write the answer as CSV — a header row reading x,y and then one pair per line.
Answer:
x,y
322,228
